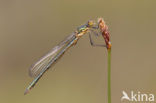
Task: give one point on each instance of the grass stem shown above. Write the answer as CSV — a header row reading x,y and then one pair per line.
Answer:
x,y
109,76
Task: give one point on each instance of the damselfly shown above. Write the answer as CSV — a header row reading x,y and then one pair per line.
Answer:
x,y
44,63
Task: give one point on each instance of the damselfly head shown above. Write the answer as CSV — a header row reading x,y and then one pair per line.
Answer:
x,y
90,23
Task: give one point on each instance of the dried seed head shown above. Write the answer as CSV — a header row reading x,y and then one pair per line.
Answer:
x,y
105,33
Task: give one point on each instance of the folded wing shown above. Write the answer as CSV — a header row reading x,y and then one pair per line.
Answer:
x,y
43,63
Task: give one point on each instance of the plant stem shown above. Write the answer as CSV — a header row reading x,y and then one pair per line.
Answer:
x,y
109,76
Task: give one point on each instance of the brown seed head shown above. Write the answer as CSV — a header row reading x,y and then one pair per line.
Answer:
x,y
105,33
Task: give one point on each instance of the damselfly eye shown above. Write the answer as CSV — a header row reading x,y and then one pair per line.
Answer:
x,y
90,23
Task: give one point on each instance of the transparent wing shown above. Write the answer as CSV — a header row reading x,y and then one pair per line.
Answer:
x,y
43,62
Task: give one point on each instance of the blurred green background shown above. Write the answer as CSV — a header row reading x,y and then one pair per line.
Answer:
x,y
30,28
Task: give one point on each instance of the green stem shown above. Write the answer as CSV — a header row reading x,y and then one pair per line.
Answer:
x,y
109,76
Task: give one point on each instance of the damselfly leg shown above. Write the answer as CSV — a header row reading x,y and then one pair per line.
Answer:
x,y
93,44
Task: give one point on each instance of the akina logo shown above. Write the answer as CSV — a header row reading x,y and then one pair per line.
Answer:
x,y
137,97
